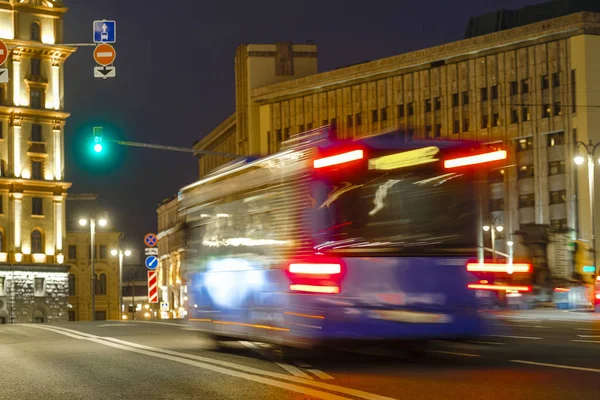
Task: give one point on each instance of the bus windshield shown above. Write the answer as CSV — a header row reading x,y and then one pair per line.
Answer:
x,y
409,211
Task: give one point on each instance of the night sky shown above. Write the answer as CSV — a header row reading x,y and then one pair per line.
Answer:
x,y
175,78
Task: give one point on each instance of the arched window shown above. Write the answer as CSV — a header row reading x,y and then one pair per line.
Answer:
x,y
101,285
36,32
71,285
37,244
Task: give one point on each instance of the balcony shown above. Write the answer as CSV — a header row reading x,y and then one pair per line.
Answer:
x,y
37,149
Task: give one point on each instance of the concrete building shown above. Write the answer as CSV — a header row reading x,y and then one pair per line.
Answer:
x,y
33,278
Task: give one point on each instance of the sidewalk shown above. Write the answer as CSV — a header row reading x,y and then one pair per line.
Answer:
x,y
549,315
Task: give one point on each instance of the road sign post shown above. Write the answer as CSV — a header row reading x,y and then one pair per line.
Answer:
x,y
152,287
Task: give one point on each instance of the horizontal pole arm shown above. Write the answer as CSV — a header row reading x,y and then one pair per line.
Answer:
x,y
172,148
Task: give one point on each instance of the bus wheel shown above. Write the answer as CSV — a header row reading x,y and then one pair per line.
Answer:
x,y
216,342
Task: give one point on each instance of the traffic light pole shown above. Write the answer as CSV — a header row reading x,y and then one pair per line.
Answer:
x,y
172,148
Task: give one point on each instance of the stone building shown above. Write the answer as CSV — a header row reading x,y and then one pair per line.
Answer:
x,y
33,279
528,84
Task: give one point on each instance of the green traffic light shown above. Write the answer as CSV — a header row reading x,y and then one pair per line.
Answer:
x,y
98,147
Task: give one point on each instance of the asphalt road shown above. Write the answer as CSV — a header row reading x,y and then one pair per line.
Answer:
x,y
529,358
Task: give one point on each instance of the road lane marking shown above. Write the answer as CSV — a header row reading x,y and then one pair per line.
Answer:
x,y
556,366
158,352
164,323
64,333
516,337
588,329
302,364
454,353
289,368
105,325
586,341
320,374
589,336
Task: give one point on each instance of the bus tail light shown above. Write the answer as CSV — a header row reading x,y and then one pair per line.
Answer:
x,y
493,267
512,288
338,159
476,159
315,277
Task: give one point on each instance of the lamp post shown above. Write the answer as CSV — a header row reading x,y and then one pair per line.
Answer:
x,y
92,222
590,150
120,253
492,228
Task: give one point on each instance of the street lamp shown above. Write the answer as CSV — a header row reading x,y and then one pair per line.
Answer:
x,y
120,253
493,228
590,150
92,221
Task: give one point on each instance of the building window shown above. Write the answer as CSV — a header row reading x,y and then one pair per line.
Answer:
x,y
525,144
484,94
36,66
496,205
573,92
559,223
1,241
358,118
1,129
71,285
428,131
35,98
286,133
333,122
485,120
36,242
496,176
384,114
103,254
374,116
438,130
525,114
411,108
494,92
309,126
101,285
545,82
2,168
1,211
437,103
401,111
36,169
524,85
514,87
495,119
555,79
454,99
557,108
466,125
558,197
36,32
546,111
2,280
556,139
38,287
556,167
349,121
37,206
525,171
300,128
514,116
36,133
456,127
278,135
465,98
527,200
428,105
72,252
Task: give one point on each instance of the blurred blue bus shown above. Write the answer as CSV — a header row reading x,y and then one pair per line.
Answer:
x,y
335,241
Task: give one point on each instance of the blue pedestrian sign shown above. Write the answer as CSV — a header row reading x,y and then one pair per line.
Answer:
x,y
105,31
151,262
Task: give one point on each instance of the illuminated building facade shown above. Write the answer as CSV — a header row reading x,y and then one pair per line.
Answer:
x,y
33,278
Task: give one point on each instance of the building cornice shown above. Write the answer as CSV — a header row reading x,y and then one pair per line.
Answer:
x,y
566,26
216,133
34,113
28,185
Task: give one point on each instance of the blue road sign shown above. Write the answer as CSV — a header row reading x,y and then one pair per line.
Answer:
x,y
151,262
105,31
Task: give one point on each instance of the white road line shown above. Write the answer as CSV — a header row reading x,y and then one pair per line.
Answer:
x,y
586,341
302,364
289,368
556,366
62,333
587,329
320,374
589,336
482,342
516,337
105,325
190,360
454,353
164,323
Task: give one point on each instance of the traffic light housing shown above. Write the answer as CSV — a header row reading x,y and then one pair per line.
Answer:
x,y
97,132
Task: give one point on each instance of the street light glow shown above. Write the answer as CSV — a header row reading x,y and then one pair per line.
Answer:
x,y
510,243
486,228
83,222
500,228
102,222
98,147
114,252
578,160
127,253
